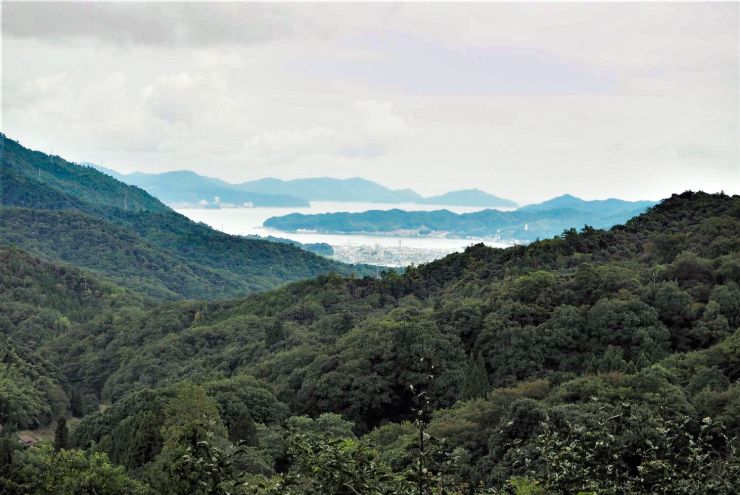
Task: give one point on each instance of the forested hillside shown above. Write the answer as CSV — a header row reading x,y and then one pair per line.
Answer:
x,y
39,302
78,215
604,207
507,225
595,362
85,183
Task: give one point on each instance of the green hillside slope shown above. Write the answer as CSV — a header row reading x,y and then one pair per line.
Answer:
x,y
589,336
85,183
40,302
148,247
118,253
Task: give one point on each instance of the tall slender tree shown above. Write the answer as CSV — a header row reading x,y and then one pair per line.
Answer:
x,y
61,434
475,383
243,429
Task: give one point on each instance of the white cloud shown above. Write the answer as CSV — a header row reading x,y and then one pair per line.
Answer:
x,y
525,100
380,120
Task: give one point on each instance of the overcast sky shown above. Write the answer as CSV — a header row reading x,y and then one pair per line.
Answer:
x,y
523,100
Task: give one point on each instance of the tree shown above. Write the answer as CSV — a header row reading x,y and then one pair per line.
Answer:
x,y
612,361
61,434
243,429
275,334
6,455
75,403
593,366
642,362
476,382
146,442
44,471
193,464
711,378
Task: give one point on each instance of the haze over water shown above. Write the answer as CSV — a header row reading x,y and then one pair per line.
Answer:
x,y
244,221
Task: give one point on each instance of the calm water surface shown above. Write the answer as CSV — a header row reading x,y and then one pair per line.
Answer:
x,y
243,221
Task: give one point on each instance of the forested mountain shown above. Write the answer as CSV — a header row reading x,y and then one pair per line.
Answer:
x,y
188,187
469,197
597,361
328,189
605,207
362,190
78,216
39,302
504,225
83,183
321,248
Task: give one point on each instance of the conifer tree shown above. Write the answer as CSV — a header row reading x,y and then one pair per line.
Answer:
x,y
642,361
6,455
475,383
612,361
61,434
593,366
243,429
275,334
147,440
75,403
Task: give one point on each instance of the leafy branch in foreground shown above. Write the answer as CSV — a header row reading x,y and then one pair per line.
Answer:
x,y
630,452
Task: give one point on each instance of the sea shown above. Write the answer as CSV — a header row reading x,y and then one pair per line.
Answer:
x,y
244,221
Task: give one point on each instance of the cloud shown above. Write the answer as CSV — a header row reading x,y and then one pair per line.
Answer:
x,y
156,23
379,128
194,116
49,86
373,131
214,59
380,120
526,100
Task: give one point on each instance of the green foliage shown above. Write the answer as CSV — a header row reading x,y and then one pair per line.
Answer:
x,y
31,389
61,434
275,334
565,331
475,383
243,430
6,456
628,451
44,471
712,379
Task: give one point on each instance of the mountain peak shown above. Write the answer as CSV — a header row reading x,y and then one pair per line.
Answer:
x,y
601,206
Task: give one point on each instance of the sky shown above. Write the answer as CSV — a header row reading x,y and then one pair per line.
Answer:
x,y
524,100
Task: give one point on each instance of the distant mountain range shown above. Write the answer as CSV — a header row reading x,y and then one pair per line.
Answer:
x,y
605,206
185,187
469,197
545,220
328,189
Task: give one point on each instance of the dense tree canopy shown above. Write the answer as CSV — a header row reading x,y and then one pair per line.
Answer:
x,y
596,361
